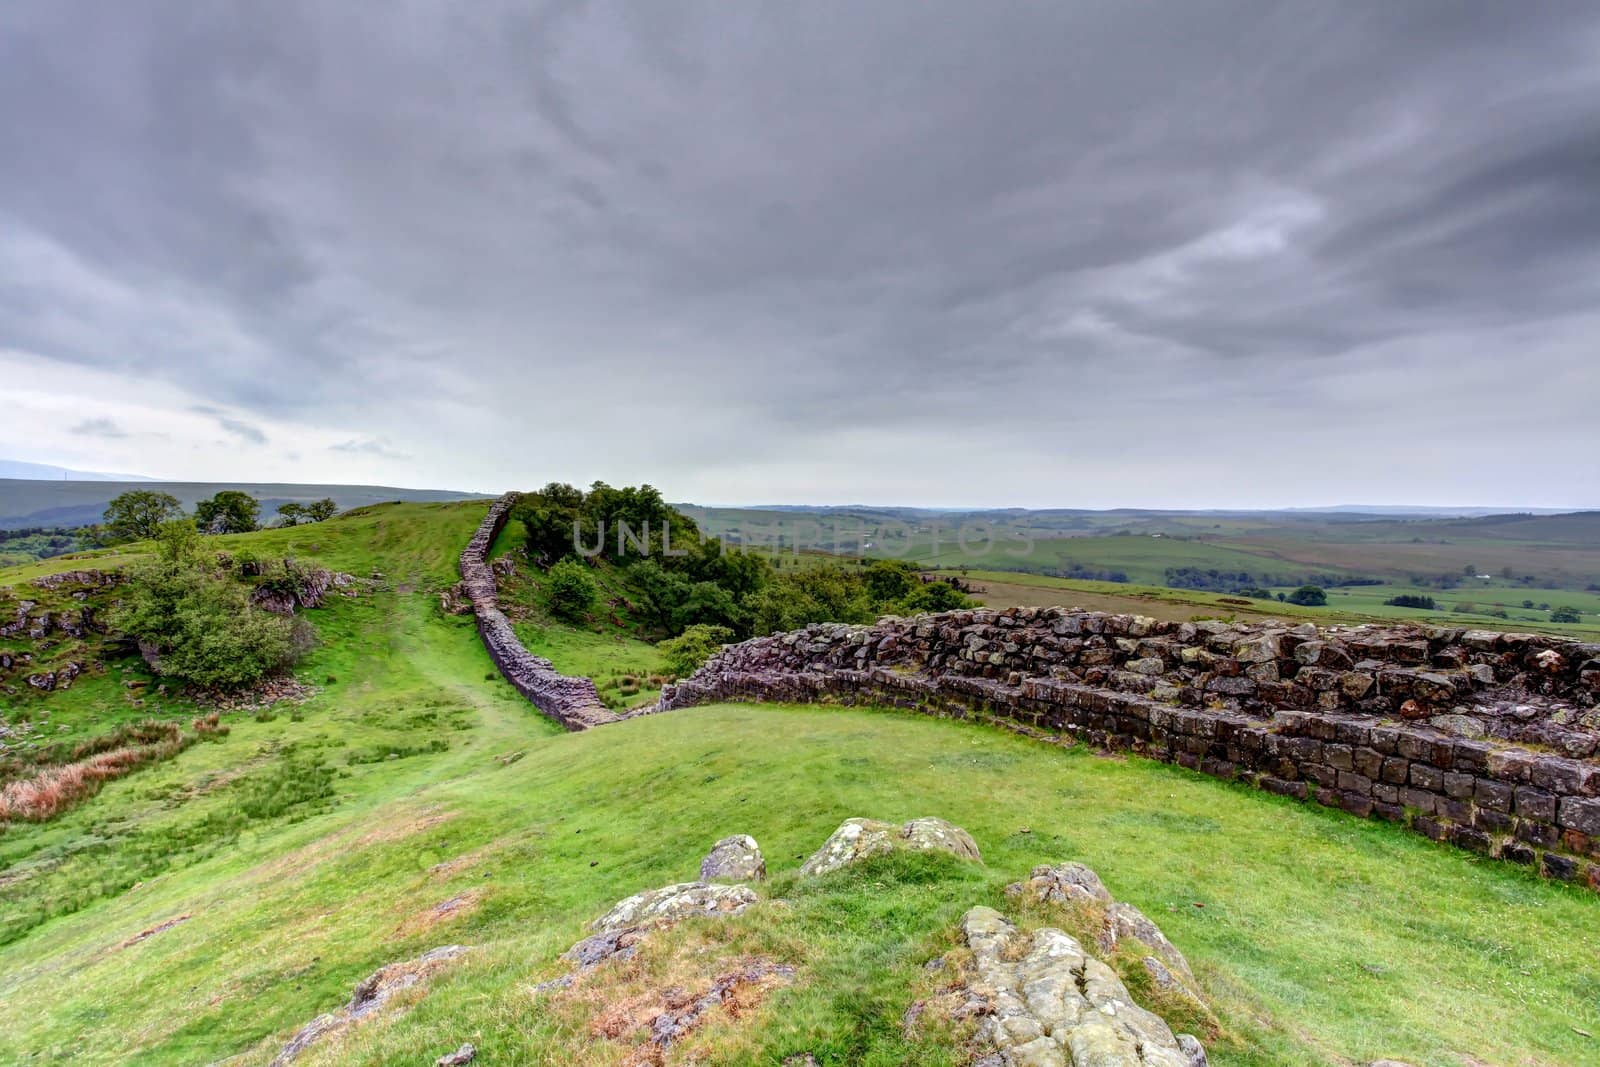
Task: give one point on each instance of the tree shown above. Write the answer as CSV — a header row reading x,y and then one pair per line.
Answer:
x,y
230,511
935,596
322,510
686,652
138,513
890,580
571,590
1309,596
291,513
1566,613
178,542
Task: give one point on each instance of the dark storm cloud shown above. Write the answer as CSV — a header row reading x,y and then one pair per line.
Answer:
x,y
905,250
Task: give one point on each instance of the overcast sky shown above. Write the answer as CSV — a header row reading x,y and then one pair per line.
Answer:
x,y
1069,254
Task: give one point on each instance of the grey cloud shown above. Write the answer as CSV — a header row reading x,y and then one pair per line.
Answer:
x,y
99,427
244,431
368,447
777,228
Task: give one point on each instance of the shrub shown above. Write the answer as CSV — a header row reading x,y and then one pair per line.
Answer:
x,y
686,652
571,590
200,628
1407,600
1566,614
1309,596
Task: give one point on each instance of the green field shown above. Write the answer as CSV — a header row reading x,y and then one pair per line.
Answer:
x,y
312,844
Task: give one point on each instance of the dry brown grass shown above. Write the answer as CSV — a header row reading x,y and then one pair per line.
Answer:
x,y
53,790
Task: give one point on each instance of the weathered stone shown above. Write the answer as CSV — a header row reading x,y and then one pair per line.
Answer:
x,y
1042,1001
673,903
734,859
1062,884
857,839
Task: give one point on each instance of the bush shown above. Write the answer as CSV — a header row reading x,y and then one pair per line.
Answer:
x,y
571,590
1566,614
1309,596
200,628
1407,600
686,652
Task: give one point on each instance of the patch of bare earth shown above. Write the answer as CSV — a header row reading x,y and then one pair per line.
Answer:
x,y
655,1016
445,911
158,928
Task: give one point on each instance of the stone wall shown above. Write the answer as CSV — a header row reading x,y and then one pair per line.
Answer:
x,y
1478,738
573,702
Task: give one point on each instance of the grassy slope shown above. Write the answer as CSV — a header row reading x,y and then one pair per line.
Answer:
x,y
1323,939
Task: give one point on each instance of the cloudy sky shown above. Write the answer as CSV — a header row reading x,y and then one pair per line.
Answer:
x,y
1070,254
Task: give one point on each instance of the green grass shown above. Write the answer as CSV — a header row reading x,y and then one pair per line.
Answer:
x,y
306,847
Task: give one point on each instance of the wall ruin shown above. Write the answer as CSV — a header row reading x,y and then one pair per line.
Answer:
x,y
572,702
1479,738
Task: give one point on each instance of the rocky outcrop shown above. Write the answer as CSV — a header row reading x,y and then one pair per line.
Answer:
x,y
370,996
572,702
857,839
299,588
1041,1000
1369,719
618,932
734,859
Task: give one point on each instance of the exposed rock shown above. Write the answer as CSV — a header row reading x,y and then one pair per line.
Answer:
x,y
669,904
734,859
618,932
1042,1001
459,1058
369,997
1062,884
1124,921
857,839
683,1011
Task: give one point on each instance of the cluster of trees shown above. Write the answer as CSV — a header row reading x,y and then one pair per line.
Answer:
x,y
1409,600
1086,574
1245,583
678,579
139,514
195,623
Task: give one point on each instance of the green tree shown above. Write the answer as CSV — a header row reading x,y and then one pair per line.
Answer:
x,y
178,542
1566,613
291,513
686,652
230,511
935,596
136,514
1309,596
322,510
571,590
889,580
549,517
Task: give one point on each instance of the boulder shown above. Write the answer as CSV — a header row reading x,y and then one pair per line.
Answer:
x,y
1125,921
734,859
1066,883
673,903
857,839
1041,1000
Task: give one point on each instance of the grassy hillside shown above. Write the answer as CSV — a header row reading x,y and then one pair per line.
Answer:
x,y
208,906
26,502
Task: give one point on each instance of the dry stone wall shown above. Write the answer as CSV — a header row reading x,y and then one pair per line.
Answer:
x,y
1475,737
573,702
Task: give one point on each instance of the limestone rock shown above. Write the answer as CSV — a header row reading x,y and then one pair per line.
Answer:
x,y
1066,883
734,859
1042,1001
459,1058
857,839
672,903
1124,921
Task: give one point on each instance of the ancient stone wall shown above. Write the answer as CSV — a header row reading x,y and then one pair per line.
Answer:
x,y
573,702
1479,738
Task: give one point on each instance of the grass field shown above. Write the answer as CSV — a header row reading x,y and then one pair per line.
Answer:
x,y
308,847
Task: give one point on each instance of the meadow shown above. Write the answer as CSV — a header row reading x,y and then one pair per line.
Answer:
x,y
207,906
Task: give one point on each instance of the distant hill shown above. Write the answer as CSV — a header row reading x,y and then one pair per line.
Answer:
x,y
45,472
36,502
